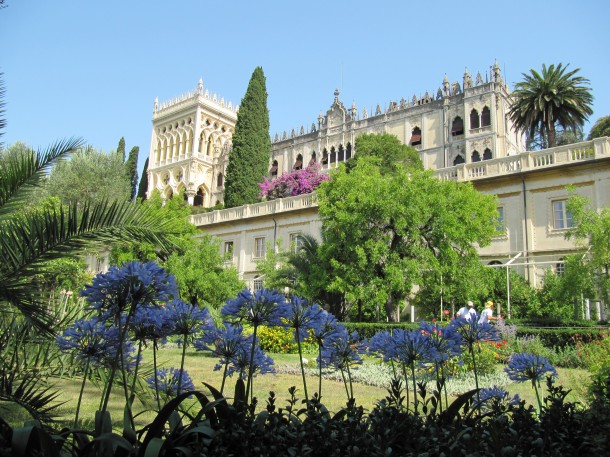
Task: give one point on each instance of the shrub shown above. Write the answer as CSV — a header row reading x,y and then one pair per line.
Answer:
x,y
277,340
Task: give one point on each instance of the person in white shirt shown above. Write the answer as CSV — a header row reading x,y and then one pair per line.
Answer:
x,y
487,313
467,312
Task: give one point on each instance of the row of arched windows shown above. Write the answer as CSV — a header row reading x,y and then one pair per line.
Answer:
x,y
328,158
474,157
476,121
173,146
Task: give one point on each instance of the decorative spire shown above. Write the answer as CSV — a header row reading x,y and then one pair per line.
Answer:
x,y
336,95
446,87
496,72
467,79
156,108
200,86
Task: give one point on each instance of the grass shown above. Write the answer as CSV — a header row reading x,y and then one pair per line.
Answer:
x,y
201,369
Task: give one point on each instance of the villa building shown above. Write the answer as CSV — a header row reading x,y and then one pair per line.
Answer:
x,y
462,132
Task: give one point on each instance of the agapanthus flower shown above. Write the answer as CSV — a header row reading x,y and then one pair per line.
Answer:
x,y
488,396
343,352
528,367
445,342
380,344
472,331
409,347
264,307
224,343
186,319
240,363
91,341
126,287
150,324
302,317
168,381
328,328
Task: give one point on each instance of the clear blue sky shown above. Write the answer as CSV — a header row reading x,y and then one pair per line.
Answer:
x,y
93,68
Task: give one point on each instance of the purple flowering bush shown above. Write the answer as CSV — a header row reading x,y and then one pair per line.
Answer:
x,y
297,182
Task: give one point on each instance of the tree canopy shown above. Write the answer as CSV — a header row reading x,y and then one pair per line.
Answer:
x,y
600,128
249,158
384,231
90,176
555,97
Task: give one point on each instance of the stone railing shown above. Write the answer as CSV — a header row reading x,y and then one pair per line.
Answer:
x,y
280,205
527,161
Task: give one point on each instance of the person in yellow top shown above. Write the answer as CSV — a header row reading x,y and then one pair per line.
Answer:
x,y
487,314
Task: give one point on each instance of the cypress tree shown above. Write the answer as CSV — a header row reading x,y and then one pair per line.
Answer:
x,y
121,148
249,159
143,182
131,169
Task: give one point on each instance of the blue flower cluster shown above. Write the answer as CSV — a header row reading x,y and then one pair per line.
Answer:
x,y
168,380
93,342
123,288
495,395
529,367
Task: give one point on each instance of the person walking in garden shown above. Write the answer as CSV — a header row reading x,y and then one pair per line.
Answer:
x,y
467,312
487,313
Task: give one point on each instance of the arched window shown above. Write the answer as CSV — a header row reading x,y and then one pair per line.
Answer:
x,y
474,119
485,117
158,155
313,158
487,154
298,165
219,180
171,147
199,196
348,151
494,262
273,169
324,157
475,157
457,127
458,160
200,145
333,155
341,157
415,137
208,150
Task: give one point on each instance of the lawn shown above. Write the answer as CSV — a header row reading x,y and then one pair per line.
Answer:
x,y
201,369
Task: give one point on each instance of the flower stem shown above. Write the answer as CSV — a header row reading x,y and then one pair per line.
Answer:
x,y
156,374
80,395
414,386
476,378
251,367
320,371
182,364
224,378
302,367
404,373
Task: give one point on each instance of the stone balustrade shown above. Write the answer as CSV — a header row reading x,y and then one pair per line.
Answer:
x,y
587,151
280,205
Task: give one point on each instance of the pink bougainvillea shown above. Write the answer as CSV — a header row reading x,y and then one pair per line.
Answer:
x,y
297,182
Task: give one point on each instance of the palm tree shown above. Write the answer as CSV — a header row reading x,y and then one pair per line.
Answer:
x,y
28,239
557,97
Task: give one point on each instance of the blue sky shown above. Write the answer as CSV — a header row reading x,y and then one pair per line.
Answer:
x,y
93,68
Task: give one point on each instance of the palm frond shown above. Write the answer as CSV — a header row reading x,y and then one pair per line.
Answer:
x,y
27,241
25,390
23,173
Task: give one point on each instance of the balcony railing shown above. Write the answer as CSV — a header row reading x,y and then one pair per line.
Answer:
x,y
562,155
280,205
527,161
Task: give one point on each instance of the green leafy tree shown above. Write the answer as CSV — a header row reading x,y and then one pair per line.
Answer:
x,y
131,169
249,158
202,275
561,291
591,230
174,217
544,101
600,128
388,149
143,187
120,150
90,176
382,231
